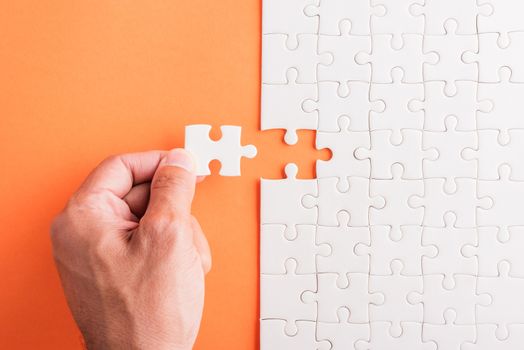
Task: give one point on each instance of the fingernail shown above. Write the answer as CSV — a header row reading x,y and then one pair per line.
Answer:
x,y
180,158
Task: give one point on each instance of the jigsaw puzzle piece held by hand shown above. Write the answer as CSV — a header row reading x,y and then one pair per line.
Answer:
x,y
281,201
228,150
274,337
280,297
281,107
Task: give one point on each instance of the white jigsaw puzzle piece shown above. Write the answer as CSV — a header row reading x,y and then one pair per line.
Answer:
x,y
487,338
381,338
281,107
344,334
505,17
280,297
281,201
278,58
449,336
462,298
384,57
276,249
343,239
450,242
228,150
273,336
395,308
330,298
384,249
355,201
331,106
507,303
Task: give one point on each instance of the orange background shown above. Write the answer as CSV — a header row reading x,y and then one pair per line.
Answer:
x,y
80,80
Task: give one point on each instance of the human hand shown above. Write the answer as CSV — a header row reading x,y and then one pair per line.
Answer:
x,y
130,255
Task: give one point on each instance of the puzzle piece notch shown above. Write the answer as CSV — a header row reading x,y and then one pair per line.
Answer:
x,y
450,145
281,201
281,107
228,150
333,105
384,249
450,242
280,297
506,300
343,239
450,67
334,12
276,249
438,12
356,201
355,297
278,58
342,145
383,154
395,288
384,57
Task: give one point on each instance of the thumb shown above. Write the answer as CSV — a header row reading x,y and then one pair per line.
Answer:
x,y
172,188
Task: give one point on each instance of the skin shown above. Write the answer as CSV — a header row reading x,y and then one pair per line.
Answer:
x,y
130,255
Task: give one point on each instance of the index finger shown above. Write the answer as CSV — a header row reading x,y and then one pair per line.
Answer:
x,y
118,174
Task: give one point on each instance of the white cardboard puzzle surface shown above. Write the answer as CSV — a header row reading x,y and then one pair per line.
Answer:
x,y
412,236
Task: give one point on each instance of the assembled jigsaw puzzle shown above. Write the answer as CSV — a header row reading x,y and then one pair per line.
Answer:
x,y
412,235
